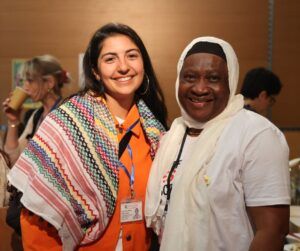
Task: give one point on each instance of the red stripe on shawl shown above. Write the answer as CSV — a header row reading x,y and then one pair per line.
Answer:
x,y
62,171
60,207
98,150
26,167
68,157
76,172
50,198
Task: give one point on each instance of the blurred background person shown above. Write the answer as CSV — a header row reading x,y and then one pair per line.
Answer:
x,y
43,79
4,168
260,88
85,171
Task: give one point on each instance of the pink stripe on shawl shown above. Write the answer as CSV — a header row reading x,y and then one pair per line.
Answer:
x,y
72,161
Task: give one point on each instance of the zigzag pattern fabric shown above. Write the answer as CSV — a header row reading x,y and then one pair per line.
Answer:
x,y
70,168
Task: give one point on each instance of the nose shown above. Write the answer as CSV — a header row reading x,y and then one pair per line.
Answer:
x,y
25,84
123,67
200,87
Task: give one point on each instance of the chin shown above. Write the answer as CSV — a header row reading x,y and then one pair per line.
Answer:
x,y
201,118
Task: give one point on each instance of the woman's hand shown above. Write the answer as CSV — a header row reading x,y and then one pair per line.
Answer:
x,y
13,116
13,119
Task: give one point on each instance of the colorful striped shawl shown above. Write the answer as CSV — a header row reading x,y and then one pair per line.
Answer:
x,y
69,171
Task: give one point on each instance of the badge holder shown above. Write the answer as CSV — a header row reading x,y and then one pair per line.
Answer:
x,y
131,209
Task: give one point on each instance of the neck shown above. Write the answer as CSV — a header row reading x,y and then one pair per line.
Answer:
x,y
256,105
248,101
193,132
119,108
49,102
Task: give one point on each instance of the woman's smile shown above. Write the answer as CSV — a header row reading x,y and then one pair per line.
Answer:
x,y
203,90
123,79
120,67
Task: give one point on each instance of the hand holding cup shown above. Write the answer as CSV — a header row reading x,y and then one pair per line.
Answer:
x,y
12,105
18,97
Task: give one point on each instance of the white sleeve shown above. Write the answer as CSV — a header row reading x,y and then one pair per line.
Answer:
x,y
265,173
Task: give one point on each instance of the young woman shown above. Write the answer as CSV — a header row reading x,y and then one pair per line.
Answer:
x,y
220,180
86,169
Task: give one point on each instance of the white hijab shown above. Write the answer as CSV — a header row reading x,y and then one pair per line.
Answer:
x,y
233,74
187,222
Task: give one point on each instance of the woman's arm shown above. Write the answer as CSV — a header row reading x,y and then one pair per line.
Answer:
x,y
270,225
13,119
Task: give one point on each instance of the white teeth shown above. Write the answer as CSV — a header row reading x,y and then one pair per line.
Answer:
x,y
196,100
124,79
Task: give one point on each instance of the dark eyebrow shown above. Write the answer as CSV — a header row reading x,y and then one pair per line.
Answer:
x,y
130,50
109,53
115,54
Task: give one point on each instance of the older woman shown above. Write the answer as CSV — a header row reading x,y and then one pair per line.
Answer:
x,y
220,178
44,78
86,169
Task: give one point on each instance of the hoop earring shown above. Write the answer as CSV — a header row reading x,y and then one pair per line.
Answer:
x,y
147,87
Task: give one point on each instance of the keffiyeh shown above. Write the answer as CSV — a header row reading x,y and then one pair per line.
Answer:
x,y
69,171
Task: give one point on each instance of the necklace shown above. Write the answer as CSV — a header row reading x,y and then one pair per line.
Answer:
x,y
193,131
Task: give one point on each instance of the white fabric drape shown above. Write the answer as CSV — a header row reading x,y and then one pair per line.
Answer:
x,y
189,200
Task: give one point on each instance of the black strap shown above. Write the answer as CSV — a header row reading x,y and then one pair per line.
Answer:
x,y
36,118
124,142
174,166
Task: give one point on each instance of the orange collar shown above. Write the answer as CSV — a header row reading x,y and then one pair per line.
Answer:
x,y
132,116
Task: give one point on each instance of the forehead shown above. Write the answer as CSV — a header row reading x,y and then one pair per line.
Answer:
x,y
117,43
206,61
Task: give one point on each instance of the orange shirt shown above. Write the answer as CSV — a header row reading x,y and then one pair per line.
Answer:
x,y
38,235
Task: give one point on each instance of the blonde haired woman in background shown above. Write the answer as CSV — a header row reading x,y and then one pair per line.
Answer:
x,y
44,78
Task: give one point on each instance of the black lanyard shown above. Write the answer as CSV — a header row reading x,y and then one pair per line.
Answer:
x,y
126,141
126,138
174,166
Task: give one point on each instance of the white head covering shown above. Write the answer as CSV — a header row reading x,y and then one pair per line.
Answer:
x,y
233,74
187,226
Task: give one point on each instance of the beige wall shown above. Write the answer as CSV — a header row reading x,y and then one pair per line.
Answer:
x,y
63,28
286,62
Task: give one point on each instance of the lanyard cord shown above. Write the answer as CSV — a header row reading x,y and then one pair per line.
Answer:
x,y
174,166
130,175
